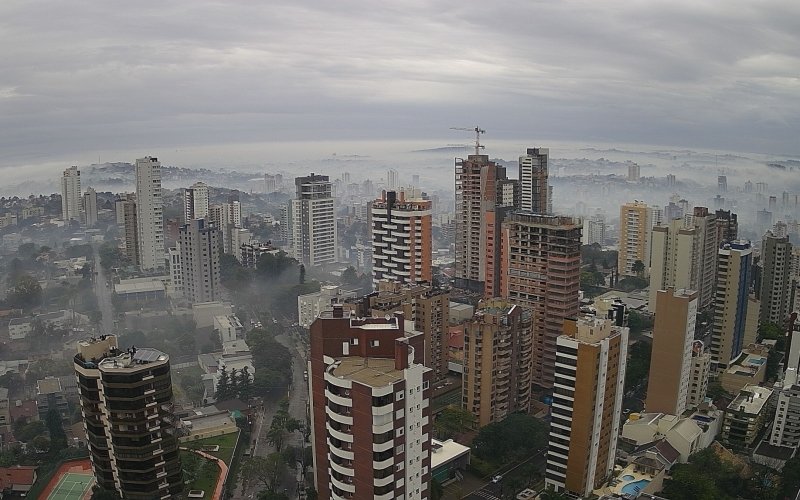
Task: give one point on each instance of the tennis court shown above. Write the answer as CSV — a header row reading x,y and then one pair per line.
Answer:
x,y
72,486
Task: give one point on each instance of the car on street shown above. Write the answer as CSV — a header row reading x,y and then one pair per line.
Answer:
x,y
496,479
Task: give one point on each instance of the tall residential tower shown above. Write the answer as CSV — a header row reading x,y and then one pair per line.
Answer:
x,y
150,213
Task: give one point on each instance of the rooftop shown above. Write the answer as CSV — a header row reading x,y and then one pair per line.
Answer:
x,y
751,399
48,385
139,287
443,452
374,372
134,357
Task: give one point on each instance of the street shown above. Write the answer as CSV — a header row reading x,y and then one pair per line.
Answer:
x,y
298,399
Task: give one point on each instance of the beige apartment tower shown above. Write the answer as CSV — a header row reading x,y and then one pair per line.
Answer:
x,y
587,401
671,359
401,238
498,361
635,222
673,261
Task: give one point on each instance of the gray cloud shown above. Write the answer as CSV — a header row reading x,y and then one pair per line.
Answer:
x,y
84,76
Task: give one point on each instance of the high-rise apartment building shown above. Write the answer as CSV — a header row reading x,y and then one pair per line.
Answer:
x,y
533,180
426,306
90,207
484,196
786,426
313,221
195,202
71,194
540,262
199,250
131,228
498,361
706,247
587,404
673,261
635,222
128,415
722,183
150,213
698,375
401,238
634,172
595,230
731,304
727,226
774,292
392,180
370,408
671,360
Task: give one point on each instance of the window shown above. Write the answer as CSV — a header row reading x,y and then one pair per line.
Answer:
x,y
374,343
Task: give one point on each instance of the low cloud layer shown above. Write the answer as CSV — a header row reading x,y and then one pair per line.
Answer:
x,y
85,76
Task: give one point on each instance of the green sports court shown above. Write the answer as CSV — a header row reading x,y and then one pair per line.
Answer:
x,y
72,486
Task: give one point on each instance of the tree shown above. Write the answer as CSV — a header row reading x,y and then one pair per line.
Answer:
x,y
790,478
55,427
264,470
638,268
639,322
302,274
271,266
232,274
517,437
26,293
244,385
96,317
276,436
26,431
41,443
98,493
551,494
453,420
349,276
223,389
638,368
436,489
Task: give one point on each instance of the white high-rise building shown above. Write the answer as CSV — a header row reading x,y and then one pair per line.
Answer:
x,y
313,221
195,202
786,426
71,194
595,230
90,207
150,213
392,180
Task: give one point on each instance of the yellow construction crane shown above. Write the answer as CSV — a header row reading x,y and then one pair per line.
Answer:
x,y
478,131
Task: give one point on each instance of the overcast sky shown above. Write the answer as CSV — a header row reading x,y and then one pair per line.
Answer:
x,y
89,75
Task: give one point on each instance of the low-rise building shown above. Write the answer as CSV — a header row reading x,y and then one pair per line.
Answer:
x,y
204,312
448,460
51,396
687,435
5,413
310,305
19,328
749,368
228,327
745,417
142,290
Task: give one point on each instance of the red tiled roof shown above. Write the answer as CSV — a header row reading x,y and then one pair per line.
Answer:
x,y
26,410
19,475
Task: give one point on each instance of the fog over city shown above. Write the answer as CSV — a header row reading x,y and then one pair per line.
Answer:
x,y
420,250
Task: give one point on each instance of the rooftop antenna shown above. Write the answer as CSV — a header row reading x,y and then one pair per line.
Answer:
x,y
478,131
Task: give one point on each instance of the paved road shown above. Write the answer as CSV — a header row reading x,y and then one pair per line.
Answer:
x,y
103,293
298,399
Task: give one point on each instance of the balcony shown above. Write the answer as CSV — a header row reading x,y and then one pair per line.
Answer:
x,y
344,486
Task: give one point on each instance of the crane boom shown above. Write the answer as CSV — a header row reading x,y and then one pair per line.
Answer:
x,y
478,131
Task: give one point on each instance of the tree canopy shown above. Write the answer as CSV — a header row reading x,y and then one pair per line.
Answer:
x,y
515,438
